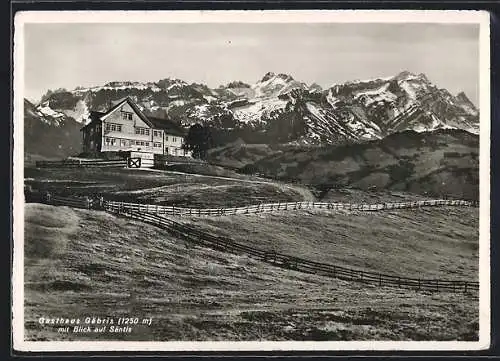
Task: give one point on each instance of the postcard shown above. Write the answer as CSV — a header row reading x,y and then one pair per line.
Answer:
x,y
251,180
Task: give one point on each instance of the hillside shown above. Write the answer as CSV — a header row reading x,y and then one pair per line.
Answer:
x,y
439,163
49,135
276,109
195,293
161,187
437,242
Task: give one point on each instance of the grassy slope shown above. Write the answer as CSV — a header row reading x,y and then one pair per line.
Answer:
x,y
437,163
436,243
239,154
206,169
161,187
81,263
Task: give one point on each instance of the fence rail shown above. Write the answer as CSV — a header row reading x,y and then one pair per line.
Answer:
x,y
194,235
116,206
81,163
81,202
275,207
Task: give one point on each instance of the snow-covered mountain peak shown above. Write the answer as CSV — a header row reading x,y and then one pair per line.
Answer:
x,y
315,88
463,98
274,85
267,76
236,84
406,75
118,85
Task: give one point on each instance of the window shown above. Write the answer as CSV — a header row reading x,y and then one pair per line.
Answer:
x,y
126,115
110,127
147,144
110,141
174,139
137,142
156,133
157,145
166,150
124,143
185,152
142,131
166,138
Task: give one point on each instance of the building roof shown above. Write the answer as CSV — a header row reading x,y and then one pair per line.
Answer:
x,y
167,125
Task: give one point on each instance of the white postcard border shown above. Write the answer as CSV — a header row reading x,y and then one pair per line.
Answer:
x,y
265,16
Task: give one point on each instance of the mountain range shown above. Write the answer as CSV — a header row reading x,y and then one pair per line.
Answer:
x,y
275,109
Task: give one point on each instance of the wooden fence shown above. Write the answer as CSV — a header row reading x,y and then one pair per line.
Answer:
x,y
275,207
82,202
82,163
194,235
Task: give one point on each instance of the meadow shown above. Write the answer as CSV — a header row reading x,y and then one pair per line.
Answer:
x,y
81,263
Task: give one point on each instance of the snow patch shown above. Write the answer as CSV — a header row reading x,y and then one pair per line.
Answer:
x,y
253,112
44,111
371,96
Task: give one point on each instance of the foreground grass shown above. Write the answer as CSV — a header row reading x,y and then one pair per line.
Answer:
x,y
86,263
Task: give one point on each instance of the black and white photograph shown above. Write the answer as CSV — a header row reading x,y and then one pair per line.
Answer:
x,y
251,180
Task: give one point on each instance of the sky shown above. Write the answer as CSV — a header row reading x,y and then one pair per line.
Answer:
x,y
77,54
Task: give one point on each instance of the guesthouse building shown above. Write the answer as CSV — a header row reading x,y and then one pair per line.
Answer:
x,y
124,127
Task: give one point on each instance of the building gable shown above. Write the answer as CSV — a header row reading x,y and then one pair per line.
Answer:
x,y
117,114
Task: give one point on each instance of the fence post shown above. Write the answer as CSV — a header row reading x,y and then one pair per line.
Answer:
x,y
380,279
419,284
47,197
89,202
437,285
465,287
